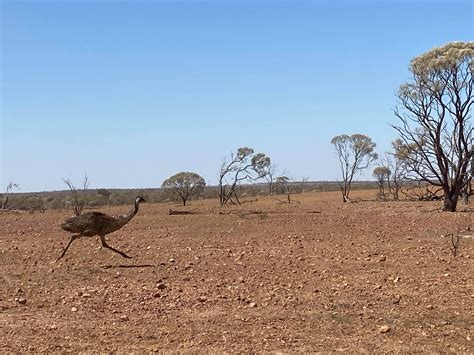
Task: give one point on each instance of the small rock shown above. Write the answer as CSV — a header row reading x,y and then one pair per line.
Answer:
x,y
383,258
160,286
377,287
202,299
430,306
171,260
21,300
73,309
384,329
123,318
252,305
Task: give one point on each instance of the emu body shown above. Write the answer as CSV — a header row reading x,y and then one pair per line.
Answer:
x,y
96,223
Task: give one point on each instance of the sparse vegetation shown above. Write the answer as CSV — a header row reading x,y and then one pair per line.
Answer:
x,y
78,200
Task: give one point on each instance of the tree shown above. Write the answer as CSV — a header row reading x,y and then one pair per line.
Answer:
x,y
395,162
304,181
185,184
245,165
106,194
11,186
78,198
282,184
270,177
382,174
355,153
434,110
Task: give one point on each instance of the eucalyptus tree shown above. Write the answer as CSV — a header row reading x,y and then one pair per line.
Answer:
x,y
184,185
244,165
435,113
382,175
355,154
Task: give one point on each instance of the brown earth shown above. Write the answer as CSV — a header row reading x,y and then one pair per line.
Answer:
x,y
318,275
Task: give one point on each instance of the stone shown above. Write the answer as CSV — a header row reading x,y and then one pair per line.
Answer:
x,y
384,329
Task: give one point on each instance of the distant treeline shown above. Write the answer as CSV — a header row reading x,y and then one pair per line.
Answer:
x,y
57,200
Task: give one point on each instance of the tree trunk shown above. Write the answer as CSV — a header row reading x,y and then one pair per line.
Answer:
x,y
450,201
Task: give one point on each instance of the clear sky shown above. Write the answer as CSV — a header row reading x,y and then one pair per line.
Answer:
x,y
131,92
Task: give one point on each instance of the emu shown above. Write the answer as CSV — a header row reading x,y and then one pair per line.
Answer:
x,y
96,223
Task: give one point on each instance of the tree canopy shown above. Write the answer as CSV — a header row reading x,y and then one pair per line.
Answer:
x,y
184,185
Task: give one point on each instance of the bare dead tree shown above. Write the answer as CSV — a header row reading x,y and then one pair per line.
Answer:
x,y
78,197
270,177
304,180
245,165
11,186
422,191
434,111
395,163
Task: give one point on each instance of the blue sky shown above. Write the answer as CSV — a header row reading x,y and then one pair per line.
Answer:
x,y
131,92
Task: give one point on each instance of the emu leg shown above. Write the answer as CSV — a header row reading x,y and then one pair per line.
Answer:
x,y
73,238
105,245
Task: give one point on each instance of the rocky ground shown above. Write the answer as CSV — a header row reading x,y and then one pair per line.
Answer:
x,y
313,275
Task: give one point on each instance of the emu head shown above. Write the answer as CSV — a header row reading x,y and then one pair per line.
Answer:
x,y
139,199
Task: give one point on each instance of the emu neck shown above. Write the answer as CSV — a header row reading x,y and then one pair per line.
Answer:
x,y
127,217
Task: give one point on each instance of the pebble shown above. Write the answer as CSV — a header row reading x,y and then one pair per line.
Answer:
x,y
383,258
252,305
73,309
123,317
384,329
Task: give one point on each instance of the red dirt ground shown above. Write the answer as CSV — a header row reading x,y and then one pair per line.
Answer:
x,y
318,275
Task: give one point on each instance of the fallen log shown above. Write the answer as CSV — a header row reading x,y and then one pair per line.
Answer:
x,y
178,212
